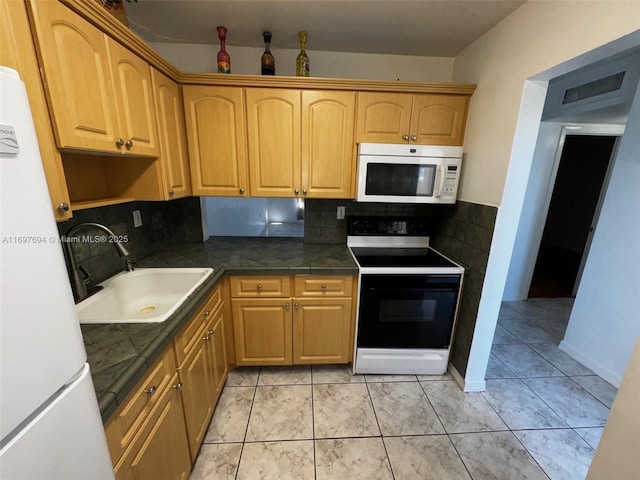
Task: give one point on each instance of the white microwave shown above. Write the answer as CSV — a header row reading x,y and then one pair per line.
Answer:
x,y
408,173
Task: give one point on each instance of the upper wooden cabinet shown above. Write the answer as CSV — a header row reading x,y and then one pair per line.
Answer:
x,y
217,140
301,143
273,125
99,92
17,51
134,101
423,119
172,137
328,147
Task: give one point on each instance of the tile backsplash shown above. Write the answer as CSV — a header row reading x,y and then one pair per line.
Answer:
x,y
321,225
163,224
464,234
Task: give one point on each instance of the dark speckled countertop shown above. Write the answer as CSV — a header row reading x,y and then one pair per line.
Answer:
x,y
120,354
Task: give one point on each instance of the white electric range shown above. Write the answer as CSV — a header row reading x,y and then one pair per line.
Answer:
x,y
408,297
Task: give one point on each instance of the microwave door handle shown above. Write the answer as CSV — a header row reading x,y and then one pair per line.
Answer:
x,y
440,183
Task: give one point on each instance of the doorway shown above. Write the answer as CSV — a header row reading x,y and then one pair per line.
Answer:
x,y
573,210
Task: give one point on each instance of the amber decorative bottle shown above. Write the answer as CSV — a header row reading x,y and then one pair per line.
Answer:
x,y
267,62
224,60
302,61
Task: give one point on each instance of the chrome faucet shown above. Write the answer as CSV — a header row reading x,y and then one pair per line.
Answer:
x,y
77,281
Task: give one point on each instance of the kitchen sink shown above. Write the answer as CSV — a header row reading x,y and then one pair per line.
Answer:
x,y
144,295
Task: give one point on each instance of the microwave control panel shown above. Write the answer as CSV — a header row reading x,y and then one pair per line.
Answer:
x,y
450,184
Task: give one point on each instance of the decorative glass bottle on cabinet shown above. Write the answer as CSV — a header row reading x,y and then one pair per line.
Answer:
x,y
302,62
267,61
224,60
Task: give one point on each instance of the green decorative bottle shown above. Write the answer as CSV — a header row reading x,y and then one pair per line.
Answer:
x,y
302,61
267,62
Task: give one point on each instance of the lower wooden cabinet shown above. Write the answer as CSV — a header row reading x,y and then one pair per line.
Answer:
x,y
321,330
262,331
203,370
195,376
315,326
159,450
157,431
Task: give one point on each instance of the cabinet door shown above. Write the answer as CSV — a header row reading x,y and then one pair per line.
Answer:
x,y
160,449
77,71
134,96
219,354
262,331
328,147
439,119
197,392
321,330
273,124
172,136
383,117
216,139
17,51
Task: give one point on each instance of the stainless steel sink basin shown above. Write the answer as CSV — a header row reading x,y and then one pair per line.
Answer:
x,y
145,295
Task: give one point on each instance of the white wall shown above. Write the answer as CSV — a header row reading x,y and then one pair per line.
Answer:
x,y
244,60
605,322
539,40
536,37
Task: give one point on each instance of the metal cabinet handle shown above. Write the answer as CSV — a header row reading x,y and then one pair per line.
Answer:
x,y
129,144
242,191
296,191
172,192
296,305
405,137
259,286
63,207
414,138
324,286
304,192
287,306
151,390
210,332
206,313
119,142
178,386
206,339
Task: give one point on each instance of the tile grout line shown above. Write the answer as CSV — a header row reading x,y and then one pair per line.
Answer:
x,y
246,430
514,435
521,378
375,414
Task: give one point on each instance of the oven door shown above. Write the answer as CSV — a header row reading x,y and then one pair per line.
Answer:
x,y
407,311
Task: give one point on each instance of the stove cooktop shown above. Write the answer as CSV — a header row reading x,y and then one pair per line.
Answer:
x,y
399,257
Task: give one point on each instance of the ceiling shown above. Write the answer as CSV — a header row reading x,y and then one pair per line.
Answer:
x,y
440,28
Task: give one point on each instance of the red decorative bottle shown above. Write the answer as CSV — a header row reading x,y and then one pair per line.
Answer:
x,y
224,60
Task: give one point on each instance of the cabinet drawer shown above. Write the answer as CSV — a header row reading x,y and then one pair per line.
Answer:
x,y
124,423
256,287
189,335
313,286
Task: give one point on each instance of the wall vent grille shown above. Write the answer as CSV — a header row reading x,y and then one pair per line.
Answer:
x,y
594,88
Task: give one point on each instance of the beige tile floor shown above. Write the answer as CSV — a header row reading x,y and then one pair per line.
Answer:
x,y
541,416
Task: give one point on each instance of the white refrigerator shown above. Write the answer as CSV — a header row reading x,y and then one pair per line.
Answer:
x,y
50,422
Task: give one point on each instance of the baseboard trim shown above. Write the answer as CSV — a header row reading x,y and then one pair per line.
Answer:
x,y
464,385
597,368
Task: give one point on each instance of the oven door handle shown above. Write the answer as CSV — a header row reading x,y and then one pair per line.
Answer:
x,y
440,182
